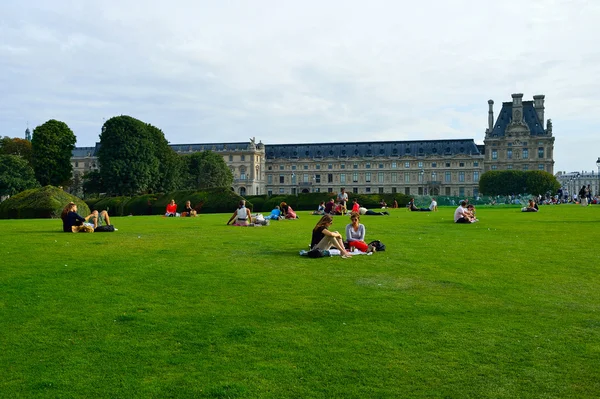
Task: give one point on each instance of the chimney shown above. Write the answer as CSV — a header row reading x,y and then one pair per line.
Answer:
x,y
491,115
538,104
517,107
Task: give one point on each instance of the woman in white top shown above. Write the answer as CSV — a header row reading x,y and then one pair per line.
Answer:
x,y
355,234
241,215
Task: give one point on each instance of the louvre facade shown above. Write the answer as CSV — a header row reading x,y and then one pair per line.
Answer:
x,y
517,139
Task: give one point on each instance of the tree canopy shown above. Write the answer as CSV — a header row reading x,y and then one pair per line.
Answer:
x,y
16,146
52,146
208,170
16,175
507,182
135,158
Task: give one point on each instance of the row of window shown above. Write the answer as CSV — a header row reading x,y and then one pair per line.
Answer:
x,y
407,191
369,165
517,154
243,158
524,167
368,177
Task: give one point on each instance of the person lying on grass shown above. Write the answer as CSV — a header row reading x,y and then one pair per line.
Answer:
x,y
324,239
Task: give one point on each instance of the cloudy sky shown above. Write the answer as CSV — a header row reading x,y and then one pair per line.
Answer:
x,y
302,71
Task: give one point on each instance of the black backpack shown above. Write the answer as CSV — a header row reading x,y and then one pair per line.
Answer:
x,y
378,245
317,253
108,229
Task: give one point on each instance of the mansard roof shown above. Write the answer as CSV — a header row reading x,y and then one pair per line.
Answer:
x,y
242,146
82,152
373,149
536,127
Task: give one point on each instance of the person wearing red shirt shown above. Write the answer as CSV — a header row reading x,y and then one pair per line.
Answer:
x,y
171,209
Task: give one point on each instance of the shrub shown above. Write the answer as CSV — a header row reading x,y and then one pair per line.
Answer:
x,y
217,200
44,202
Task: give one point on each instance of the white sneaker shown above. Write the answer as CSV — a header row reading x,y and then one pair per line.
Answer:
x,y
116,229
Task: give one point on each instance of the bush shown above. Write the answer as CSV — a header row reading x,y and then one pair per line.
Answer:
x,y
217,200
45,202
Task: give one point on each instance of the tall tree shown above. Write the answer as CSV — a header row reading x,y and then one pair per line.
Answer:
x,y
541,182
507,182
207,170
170,165
130,155
16,175
52,145
16,146
92,183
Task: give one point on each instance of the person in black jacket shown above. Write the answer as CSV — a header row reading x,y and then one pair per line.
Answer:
x,y
73,222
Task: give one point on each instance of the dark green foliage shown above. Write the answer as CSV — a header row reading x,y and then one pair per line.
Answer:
x,y
541,182
128,158
92,183
16,146
310,201
215,200
508,182
16,175
170,165
44,202
52,145
207,169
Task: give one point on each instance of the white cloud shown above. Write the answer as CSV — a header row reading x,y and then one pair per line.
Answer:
x,y
302,71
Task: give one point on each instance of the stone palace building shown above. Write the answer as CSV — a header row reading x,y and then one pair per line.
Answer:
x,y
517,139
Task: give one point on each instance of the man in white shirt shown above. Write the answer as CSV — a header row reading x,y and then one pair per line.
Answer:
x,y
433,205
460,214
342,199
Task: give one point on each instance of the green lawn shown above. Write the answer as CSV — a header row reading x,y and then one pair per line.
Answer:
x,y
170,307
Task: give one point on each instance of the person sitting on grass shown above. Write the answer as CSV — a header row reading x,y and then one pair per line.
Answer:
x,y
382,204
324,239
275,214
330,207
241,215
433,206
171,209
73,222
188,211
355,234
461,214
320,210
531,207
287,211
471,213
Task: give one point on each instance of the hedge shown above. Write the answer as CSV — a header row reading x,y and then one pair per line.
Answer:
x,y
310,201
44,202
217,200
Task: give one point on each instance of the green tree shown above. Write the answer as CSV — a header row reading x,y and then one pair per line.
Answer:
x,y
170,165
92,183
52,145
507,182
541,182
16,175
502,182
135,158
16,146
207,170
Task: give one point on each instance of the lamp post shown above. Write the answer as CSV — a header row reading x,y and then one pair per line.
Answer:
x,y
295,184
598,186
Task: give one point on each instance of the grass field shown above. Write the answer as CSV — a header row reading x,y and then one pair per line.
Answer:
x,y
175,307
